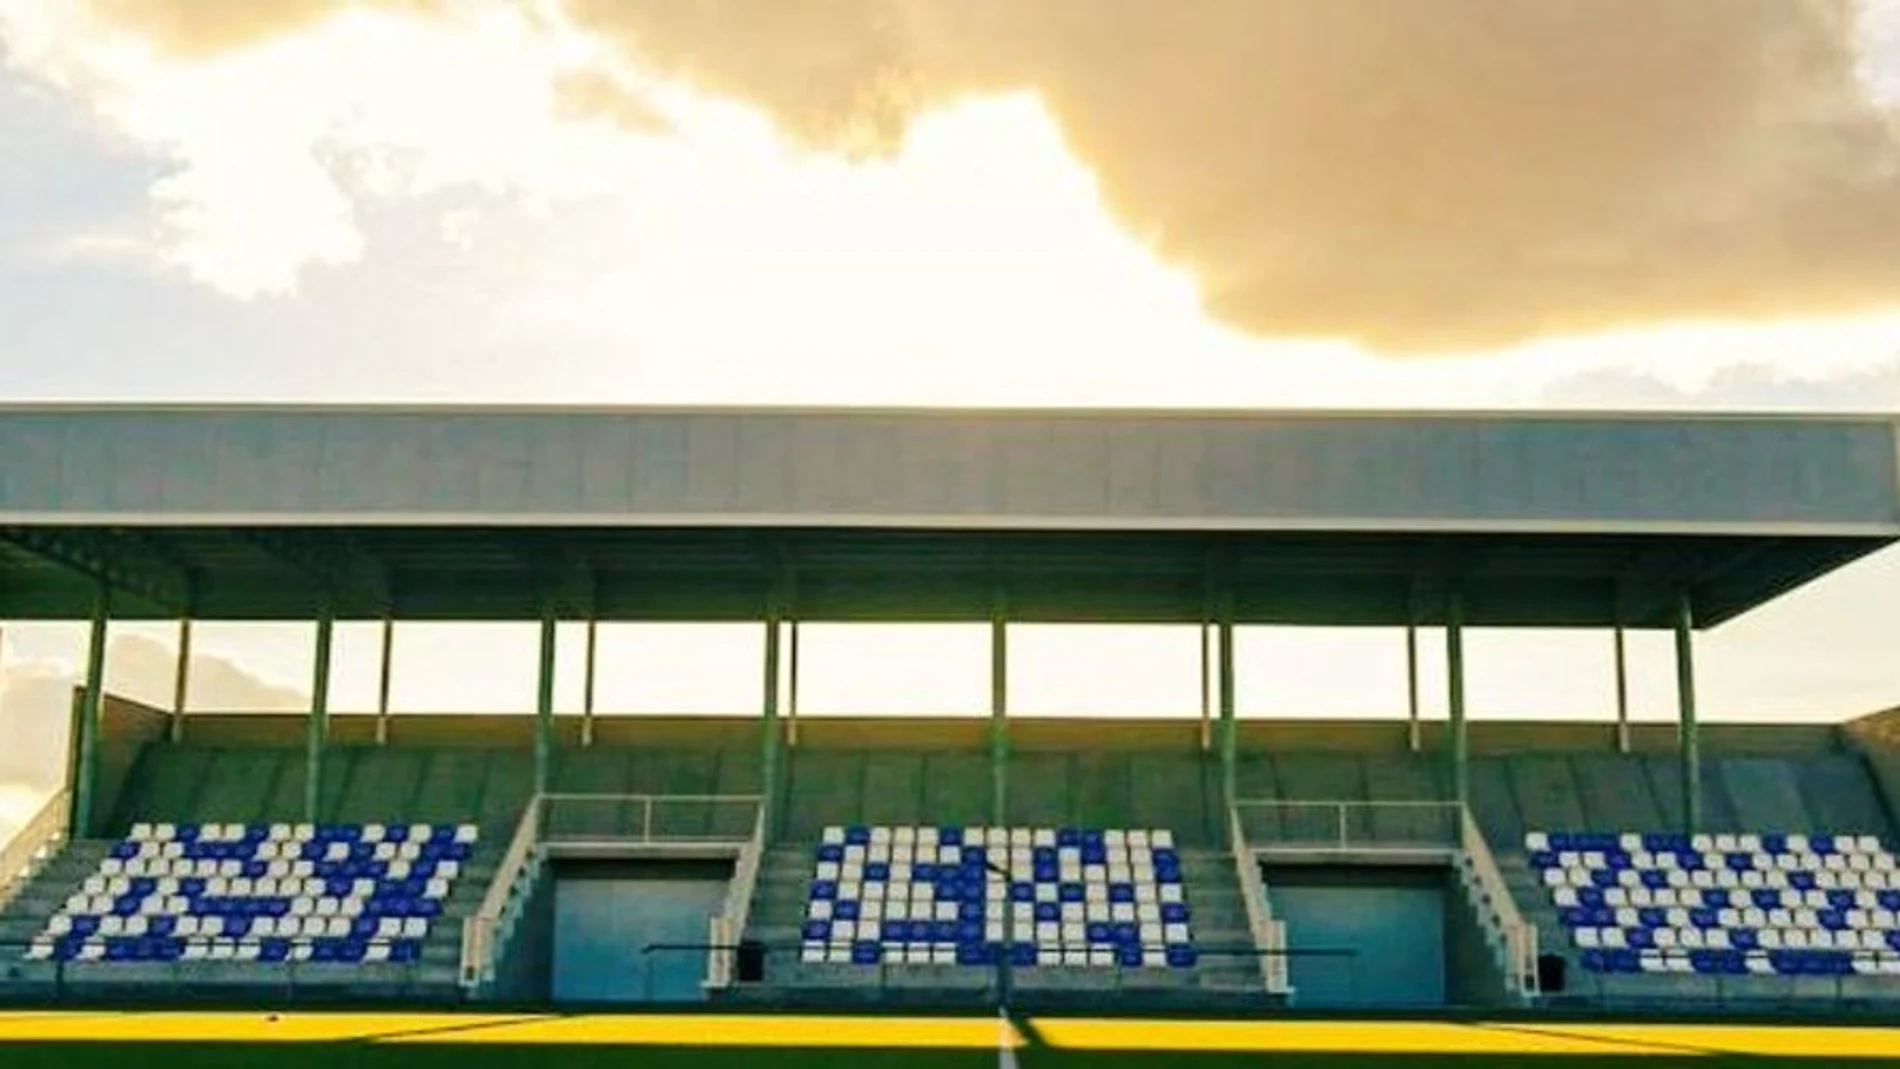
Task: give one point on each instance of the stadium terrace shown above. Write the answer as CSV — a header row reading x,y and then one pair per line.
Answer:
x,y
1209,863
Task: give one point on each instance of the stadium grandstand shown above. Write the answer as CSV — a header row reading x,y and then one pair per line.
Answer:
x,y
1254,870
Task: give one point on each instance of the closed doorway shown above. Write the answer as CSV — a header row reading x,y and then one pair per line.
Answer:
x,y
608,914
1363,936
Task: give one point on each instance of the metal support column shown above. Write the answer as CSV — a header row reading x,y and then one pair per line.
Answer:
x,y
1455,688
999,717
1414,729
791,691
544,705
1229,730
181,680
383,676
589,675
317,726
91,716
769,728
1685,700
1622,692
1207,688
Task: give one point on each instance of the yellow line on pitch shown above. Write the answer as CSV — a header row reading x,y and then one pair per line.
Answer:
x,y
227,1027
1747,1039
1325,1037
718,1030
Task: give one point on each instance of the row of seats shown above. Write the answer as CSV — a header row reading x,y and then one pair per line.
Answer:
x,y
269,950
264,893
1702,843
953,895
302,833
1742,963
1730,904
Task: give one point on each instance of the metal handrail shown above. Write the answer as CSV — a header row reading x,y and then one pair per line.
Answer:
x,y
479,928
1518,937
313,981
1268,934
730,924
1342,836
886,968
34,844
647,803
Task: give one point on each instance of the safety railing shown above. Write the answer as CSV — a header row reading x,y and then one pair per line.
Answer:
x,y
729,926
35,844
555,820
1269,935
1515,938
1349,825
788,971
481,930
648,818
1627,994
208,979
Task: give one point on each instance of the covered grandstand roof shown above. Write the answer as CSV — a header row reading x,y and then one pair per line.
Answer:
x,y
253,512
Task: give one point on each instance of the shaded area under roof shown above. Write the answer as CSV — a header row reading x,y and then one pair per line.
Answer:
x,y
1319,518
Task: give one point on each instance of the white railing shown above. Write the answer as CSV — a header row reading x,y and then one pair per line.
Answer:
x,y
1269,935
648,818
34,845
1350,825
729,926
1515,938
480,929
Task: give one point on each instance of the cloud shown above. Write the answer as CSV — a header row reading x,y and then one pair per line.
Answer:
x,y
1748,386
1420,176
275,123
1437,174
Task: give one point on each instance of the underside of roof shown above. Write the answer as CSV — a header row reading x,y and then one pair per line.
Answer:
x,y
472,573
664,514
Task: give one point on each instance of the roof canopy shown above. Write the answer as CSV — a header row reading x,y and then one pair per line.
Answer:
x,y
1344,518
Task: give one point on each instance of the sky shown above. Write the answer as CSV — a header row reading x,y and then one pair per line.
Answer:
x,y
1664,204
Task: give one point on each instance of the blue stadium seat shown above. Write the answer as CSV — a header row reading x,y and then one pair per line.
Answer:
x,y
1724,904
1070,896
261,893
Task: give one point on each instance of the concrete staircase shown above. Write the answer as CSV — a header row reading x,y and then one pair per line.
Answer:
x,y
1533,904
434,978
1219,922
45,892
